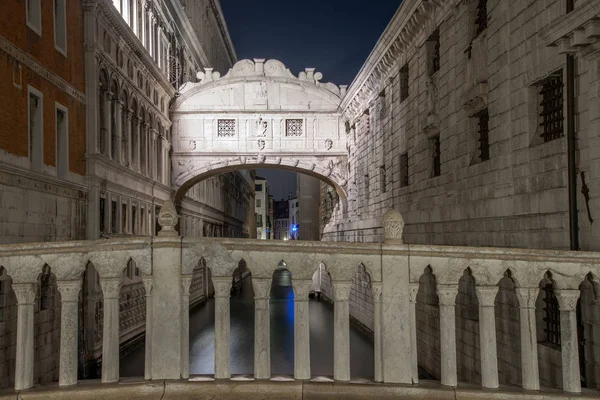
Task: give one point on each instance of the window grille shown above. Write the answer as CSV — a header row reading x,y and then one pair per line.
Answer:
x,y
293,127
484,143
404,170
551,94
552,316
437,156
226,128
482,17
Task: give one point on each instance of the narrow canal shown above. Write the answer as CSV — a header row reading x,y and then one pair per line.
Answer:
x,y
282,337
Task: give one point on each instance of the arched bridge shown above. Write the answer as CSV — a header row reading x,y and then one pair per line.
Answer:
x,y
259,115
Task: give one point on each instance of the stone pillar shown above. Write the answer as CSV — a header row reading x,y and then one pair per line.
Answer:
x,y
301,329
110,334
136,149
129,217
107,123
341,331
487,336
414,356
154,157
148,340
567,300
262,333
447,296
186,281
69,295
529,351
25,293
144,150
222,325
118,129
119,227
127,138
376,287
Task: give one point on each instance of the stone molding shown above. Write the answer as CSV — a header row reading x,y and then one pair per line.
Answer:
x,y
262,287
527,297
69,290
301,289
25,293
486,295
447,294
110,287
393,226
35,66
222,287
567,299
341,290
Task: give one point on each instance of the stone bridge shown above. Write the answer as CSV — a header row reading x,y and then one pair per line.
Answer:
x,y
259,115
397,272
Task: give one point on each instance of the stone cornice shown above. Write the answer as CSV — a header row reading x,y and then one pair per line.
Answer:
x,y
118,23
398,38
31,63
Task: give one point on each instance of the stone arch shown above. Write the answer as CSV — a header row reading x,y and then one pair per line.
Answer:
x,y
467,330
362,317
92,322
241,273
547,311
281,306
508,335
428,324
8,328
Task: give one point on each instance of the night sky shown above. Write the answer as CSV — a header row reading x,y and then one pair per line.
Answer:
x,y
333,36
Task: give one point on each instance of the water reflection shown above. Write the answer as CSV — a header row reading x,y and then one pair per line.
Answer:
x,y
282,337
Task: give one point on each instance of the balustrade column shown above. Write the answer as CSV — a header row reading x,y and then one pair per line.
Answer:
x,y
110,334
186,281
25,293
567,300
487,336
414,289
529,352
262,345
341,331
69,297
108,124
118,130
301,329
222,326
148,339
447,297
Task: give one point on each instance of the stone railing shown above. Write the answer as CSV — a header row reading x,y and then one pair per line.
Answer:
x,y
396,272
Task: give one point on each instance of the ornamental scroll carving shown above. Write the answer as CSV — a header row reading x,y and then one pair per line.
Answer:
x,y
393,226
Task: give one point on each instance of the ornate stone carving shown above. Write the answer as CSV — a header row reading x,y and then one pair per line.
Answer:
x,y
261,127
328,144
25,292
222,287
527,296
167,218
567,299
447,294
393,225
69,290
110,287
301,289
341,290
261,144
486,295
192,145
261,287
376,288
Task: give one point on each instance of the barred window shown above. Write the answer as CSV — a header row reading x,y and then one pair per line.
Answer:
x,y
293,127
404,170
484,143
226,127
437,156
434,52
404,83
552,316
551,103
482,17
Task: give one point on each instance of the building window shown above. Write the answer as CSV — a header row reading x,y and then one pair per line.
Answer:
x,y
258,187
134,229
226,127
404,83
436,156
62,141
102,214
482,17
60,26
293,127
551,105
483,119
433,52
123,218
551,316
259,221
45,289
404,170
258,204
36,145
34,15
382,179
113,216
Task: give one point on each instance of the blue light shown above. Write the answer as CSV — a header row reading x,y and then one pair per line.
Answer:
x,y
294,228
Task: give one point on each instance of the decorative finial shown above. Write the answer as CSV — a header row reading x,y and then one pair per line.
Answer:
x,y
393,225
167,219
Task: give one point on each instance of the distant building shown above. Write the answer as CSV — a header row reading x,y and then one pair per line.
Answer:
x,y
261,207
294,218
281,216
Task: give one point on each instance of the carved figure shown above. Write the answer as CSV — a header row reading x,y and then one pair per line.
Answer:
x,y
328,144
261,144
261,127
192,145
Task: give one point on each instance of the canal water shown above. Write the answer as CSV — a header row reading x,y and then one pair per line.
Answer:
x,y
282,337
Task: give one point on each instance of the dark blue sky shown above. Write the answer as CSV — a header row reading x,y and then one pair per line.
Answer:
x,y
333,36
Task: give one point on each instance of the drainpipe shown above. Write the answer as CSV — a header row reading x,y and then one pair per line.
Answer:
x,y
571,147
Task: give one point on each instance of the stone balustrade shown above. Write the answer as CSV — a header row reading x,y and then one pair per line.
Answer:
x,y
395,269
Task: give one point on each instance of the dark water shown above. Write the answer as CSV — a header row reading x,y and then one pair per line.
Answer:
x,y
282,338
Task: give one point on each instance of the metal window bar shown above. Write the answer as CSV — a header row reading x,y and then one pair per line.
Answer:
x,y
552,118
482,17
484,143
437,156
552,318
